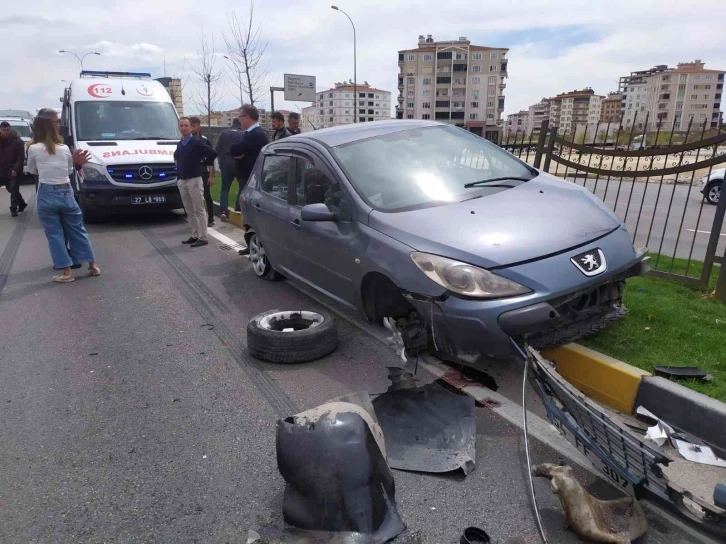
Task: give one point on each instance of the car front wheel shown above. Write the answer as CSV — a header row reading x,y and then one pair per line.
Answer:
x,y
713,192
259,259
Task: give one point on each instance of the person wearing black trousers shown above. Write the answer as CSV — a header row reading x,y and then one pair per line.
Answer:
x,y
207,173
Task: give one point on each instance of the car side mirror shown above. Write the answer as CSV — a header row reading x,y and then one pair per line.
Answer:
x,y
317,212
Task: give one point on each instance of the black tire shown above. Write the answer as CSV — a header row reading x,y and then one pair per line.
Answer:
x,y
574,331
713,192
305,343
261,264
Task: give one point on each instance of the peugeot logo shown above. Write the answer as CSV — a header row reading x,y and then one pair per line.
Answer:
x,y
145,172
590,263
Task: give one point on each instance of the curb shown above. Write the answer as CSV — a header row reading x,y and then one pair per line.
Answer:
x,y
599,376
235,218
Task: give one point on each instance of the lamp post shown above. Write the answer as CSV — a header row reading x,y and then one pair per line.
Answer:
x,y
355,76
80,59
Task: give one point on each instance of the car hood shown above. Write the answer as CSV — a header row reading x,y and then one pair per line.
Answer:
x,y
130,151
537,218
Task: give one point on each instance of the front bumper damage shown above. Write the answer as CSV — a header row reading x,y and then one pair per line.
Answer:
x,y
455,326
621,455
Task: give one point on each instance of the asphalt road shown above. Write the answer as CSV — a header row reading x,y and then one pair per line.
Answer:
x,y
132,413
669,219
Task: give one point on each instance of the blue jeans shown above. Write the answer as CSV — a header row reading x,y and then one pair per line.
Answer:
x,y
228,173
62,220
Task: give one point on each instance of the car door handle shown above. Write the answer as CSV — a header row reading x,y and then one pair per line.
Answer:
x,y
296,223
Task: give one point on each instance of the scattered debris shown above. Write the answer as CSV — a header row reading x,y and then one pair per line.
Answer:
x,y
208,325
719,496
474,535
94,353
337,480
683,373
614,521
427,428
396,339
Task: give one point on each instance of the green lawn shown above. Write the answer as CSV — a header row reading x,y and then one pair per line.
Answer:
x,y
670,323
216,190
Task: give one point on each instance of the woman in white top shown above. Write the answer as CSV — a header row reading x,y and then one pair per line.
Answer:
x,y
62,219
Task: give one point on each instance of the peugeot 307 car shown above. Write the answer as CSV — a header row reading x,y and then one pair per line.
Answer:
x,y
462,244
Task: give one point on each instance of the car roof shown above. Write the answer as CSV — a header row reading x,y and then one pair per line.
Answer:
x,y
12,119
344,134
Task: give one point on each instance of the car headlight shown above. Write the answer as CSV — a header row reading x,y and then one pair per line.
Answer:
x,y
93,173
466,279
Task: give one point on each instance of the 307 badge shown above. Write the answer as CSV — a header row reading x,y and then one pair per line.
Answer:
x,y
590,263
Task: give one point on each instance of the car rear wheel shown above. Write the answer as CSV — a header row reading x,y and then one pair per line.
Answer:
x,y
259,259
296,336
713,192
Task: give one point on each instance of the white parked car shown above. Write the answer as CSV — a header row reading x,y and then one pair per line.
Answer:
x,y
711,185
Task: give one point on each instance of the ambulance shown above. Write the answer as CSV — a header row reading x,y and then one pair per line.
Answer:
x,y
128,123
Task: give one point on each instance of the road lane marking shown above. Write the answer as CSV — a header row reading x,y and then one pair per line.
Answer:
x,y
224,239
703,232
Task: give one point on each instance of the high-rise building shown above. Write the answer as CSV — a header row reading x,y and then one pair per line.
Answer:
x,y
574,108
538,113
673,96
517,125
340,105
174,87
453,82
610,110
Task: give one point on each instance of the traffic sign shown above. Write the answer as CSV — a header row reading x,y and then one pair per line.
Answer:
x,y
299,88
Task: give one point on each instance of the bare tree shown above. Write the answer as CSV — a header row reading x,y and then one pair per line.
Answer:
x,y
209,96
246,49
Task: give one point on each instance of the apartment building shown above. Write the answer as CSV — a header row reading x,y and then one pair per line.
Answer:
x,y
174,87
453,82
568,110
339,106
610,111
538,113
517,125
674,97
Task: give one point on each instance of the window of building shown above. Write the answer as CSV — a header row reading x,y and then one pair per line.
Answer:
x,y
330,110
475,93
411,105
361,95
694,97
475,80
370,95
428,57
411,81
378,112
491,92
490,104
706,87
696,77
682,77
706,96
476,56
409,116
458,104
493,55
426,93
361,119
493,68
347,112
322,112
473,116
492,80
475,104
443,55
361,111
371,103
426,105
275,172
426,116
476,68
445,69
443,79
426,81
330,95
370,112
490,116
411,93
411,57
458,81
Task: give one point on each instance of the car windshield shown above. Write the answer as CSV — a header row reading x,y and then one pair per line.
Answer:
x,y
21,130
126,121
426,166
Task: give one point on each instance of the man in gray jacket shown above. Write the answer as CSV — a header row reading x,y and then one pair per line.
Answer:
x,y
227,165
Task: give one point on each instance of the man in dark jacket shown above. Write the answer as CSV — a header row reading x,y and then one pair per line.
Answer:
x,y
278,124
227,167
191,156
207,171
248,149
293,122
12,158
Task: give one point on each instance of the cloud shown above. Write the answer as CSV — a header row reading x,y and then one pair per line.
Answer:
x,y
554,45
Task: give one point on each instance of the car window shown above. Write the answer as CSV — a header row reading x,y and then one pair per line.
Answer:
x,y
423,167
275,172
313,186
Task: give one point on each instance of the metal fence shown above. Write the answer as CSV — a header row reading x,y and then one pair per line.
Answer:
x,y
651,180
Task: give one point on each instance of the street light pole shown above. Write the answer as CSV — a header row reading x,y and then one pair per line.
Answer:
x,y
355,75
80,59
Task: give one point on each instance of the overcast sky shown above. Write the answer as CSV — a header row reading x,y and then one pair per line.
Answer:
x,y
555,45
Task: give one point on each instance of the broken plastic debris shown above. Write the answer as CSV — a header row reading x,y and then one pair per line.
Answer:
x,y
396,339
658,433
683,373
616,521
697,453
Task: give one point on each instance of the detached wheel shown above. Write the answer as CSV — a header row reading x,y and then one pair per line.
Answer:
x,y
291,336
260,262
713,192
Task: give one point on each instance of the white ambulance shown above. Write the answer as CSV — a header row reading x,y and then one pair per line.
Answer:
x,y
127,121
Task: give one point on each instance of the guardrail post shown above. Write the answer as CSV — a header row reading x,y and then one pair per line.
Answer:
x,y
713,247
550,149
541,142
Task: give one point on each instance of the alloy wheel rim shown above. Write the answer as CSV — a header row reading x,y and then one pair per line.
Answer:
x,y
715,193
258,256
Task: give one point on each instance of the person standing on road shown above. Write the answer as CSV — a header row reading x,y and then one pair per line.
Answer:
x,y
52,162
207,171
12,158
248,149
191,156
293,122
227,167
278,123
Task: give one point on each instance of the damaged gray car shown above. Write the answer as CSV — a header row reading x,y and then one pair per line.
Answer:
x,y
461,243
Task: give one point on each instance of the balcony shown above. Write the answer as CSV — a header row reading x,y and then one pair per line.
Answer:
x,y
502,86
400,99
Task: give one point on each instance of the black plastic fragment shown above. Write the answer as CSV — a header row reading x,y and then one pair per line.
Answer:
x,y
474,535
683,373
